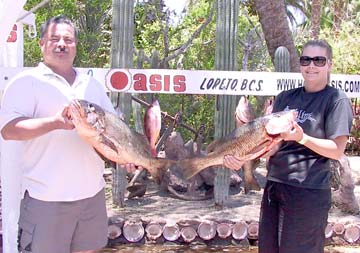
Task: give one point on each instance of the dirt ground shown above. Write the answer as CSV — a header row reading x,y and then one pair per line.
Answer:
x,y
160,205
157,205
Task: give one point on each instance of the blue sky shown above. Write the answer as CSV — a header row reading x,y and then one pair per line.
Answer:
x,y
176,5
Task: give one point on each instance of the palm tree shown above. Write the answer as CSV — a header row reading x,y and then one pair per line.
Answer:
x,y
315,18
339,13
333,13
274,12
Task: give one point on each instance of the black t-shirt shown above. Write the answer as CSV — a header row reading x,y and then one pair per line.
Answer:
x,y
326,114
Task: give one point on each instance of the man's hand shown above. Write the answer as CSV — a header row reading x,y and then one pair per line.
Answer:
x,y
130,167
24,128
63,119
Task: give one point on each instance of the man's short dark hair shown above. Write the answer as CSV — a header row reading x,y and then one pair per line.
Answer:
x,y
57,20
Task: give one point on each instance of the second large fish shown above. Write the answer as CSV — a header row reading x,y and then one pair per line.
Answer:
x,y
112,138
247,142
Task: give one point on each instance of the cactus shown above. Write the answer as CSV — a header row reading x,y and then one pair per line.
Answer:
x,y
136,107
121,57
155,59
282,59
225,59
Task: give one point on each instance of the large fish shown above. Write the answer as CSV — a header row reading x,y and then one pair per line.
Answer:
x,y
113,139
246,142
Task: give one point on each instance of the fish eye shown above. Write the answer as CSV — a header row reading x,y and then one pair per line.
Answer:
x,y
91,107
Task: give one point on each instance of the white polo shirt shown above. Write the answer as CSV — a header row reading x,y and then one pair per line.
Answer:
x,y
57,166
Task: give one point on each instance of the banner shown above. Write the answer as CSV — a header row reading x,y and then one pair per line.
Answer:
x,y
168,81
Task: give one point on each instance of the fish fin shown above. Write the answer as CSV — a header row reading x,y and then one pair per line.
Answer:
x,y
250,182
106,141
216,144
212,146
258,151
142,138
105,148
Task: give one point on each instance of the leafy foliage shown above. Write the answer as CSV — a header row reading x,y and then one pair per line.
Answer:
x,y
149,36
346,60
150,23
93,19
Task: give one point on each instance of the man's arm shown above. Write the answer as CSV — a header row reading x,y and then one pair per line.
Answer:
x,y
24,128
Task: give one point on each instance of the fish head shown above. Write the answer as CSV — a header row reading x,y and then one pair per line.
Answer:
x,y
87,117
244,112
280,122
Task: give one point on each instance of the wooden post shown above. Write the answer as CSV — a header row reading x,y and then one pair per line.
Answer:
x,y
225,59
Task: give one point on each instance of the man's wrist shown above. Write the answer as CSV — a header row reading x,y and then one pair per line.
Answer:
x,y
303,140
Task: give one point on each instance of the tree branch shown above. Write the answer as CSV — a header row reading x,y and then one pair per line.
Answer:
x,y
183,48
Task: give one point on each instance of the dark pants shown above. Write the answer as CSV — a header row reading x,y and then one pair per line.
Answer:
x,y
293,219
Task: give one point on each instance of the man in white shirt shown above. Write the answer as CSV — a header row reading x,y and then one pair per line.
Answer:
x,y
63,209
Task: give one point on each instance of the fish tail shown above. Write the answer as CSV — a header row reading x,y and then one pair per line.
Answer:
x,y
162,165
190,167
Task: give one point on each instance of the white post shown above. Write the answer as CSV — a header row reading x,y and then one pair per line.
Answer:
x,y
11,56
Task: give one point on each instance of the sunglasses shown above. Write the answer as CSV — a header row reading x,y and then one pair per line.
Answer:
x,y
318,61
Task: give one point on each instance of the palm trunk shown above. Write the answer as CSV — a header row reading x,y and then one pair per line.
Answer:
x,y
339,10
315,18
274,12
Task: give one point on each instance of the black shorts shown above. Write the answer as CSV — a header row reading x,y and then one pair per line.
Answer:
x,y
293,219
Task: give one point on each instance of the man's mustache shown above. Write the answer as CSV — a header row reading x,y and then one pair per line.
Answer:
x,y
61,49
